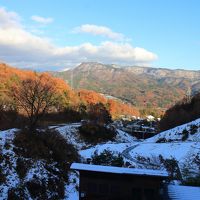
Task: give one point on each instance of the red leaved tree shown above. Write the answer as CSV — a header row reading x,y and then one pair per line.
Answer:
x,y
35,96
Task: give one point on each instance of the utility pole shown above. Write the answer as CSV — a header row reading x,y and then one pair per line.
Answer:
x,y
72,79
188,94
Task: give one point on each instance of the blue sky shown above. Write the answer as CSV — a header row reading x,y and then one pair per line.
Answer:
x,y
58,34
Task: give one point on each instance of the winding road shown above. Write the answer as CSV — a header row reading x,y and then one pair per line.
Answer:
x,y
126,153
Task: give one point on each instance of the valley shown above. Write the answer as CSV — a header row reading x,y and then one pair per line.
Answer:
x,y
99,100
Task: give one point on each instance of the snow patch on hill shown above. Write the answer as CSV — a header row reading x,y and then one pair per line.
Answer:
x,y
115,148
9,169
178,150
12,179
72,135
171,146
71,188
175,134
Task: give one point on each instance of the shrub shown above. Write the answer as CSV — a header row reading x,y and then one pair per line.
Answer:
x,y
185,135
56,155
36,188
2,177
172,167
192,181
48,145
161,140
52,188
107,158
17,193
67,115
22,167
193,129
94,133
99,114
191,171
152,162
11,119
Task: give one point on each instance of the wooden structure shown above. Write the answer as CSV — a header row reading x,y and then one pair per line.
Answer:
x,y
140,132
117,183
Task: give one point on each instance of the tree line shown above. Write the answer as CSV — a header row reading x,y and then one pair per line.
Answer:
x,y
29,97
184,111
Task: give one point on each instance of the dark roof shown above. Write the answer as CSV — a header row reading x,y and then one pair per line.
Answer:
x,y
118,170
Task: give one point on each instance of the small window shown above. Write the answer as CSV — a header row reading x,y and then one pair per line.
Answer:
x,y
104,188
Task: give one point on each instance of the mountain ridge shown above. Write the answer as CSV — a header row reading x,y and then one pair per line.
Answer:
x,y
141,86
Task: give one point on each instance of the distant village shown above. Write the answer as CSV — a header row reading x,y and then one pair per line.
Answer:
x,y
141,128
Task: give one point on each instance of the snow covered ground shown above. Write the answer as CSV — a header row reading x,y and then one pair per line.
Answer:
x,y
174,147
12,177
71,189
70,132
176,133
178,150
114,147
8,167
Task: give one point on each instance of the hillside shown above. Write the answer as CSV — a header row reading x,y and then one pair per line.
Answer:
x,y
142,86
67,98
176,134
180,143
188,109
37,174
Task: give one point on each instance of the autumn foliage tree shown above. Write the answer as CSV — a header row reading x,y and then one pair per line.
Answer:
x,y
95,130
99,114
34,96
15,82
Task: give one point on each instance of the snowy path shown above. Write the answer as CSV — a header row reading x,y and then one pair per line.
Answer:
x,y
178,150
126,153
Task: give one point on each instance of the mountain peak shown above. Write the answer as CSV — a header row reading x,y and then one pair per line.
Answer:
x,y
92,66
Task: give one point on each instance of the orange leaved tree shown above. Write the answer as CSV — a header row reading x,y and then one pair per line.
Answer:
x,y
35,96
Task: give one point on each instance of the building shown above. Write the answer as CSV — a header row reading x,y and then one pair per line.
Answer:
x,y
117,183
177,192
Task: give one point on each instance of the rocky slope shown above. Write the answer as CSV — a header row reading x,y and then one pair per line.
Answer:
x,y
141,86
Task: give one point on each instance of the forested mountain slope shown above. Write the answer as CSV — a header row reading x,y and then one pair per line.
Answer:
x,y
142,86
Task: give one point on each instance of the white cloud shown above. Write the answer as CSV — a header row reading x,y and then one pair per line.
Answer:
x,y
99,30
22,48
42,20
8,19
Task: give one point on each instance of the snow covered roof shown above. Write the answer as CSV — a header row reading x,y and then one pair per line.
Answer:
x,y
177,192
150,117
118,170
